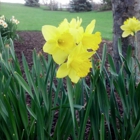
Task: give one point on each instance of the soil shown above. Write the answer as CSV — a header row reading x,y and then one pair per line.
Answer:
x,y
30,40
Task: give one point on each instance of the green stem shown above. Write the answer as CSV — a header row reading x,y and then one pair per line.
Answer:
x,y
136,56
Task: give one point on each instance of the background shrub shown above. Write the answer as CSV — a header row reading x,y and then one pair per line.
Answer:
x,y
80,5
32,3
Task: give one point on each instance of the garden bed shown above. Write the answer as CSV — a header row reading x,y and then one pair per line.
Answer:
x,y
30,40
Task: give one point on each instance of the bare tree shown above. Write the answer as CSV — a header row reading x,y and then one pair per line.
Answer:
x,y
44,2
51,4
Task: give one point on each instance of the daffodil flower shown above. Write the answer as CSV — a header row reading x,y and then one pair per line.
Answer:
x,y
69,46
59,43
130,27
2,17
78,65
13,20
3,23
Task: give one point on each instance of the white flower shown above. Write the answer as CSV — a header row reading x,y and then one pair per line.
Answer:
x,y
2,17
1,22
5,25
13,20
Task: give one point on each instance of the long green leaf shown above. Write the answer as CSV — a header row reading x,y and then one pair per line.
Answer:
x,y
136,132
86,115
23,84
70,97
103,58
112,66
102,127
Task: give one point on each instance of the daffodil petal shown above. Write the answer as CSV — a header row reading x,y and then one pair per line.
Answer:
x,y
91,41
77,34
124,27
73,23
90,27
64,25
59,56
73,76
50,46
62,71
126,33
49,32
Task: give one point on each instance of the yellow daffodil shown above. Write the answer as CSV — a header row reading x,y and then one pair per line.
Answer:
x,y
130,27
69,46
59,43
78,65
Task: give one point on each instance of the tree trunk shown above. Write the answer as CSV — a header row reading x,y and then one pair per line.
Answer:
x,y
122,9
137,15
51,5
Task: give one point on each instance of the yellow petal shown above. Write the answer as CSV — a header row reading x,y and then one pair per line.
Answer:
x,y
66,42
49,32
62,71
77,34
73,23
90,27
127,33
124,27
73,76
91,41
59,56
50,46
64,25
138,27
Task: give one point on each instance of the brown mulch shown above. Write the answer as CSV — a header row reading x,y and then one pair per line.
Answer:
x,y
30,40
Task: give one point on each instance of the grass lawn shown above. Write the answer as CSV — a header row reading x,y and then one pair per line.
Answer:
x,y
34,18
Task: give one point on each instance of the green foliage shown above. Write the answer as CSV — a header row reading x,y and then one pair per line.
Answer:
x,y
80,5
43,107
8,27
107,5
32,3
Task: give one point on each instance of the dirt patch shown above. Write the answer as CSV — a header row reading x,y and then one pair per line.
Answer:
x,y
30,40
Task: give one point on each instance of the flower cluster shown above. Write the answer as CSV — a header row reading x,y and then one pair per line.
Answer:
x,y
130,27
13,20
8,27
2,22
71,47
